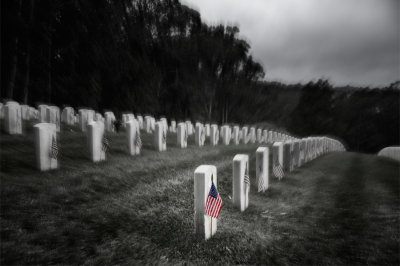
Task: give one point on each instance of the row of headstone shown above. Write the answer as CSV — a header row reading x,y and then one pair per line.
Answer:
x,y
290,153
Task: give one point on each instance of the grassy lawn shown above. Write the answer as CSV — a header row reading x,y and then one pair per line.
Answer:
x,y
342,208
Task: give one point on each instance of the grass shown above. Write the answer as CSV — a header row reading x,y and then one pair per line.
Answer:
x,y
342,208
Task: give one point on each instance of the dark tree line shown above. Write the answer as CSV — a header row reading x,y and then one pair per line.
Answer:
x,y
158,57
141,56
366,119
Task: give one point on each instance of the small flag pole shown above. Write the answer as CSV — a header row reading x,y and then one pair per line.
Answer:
x,y
212,181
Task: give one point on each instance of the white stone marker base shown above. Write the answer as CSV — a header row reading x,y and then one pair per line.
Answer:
x,y
262,167
44,133
202,186
240,192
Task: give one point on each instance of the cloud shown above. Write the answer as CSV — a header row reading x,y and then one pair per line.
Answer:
x,y
350,42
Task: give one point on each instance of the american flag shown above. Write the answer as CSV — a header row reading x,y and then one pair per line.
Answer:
x,y
214,202
106,144
138,140
277,169
216,136
246,178
261,181
54,149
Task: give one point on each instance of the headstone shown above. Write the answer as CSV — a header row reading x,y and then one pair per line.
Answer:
x,y
259,135
95,136
296,153
204,176
240,189
236,136
147,124
189,127
265,136
42,113
109,119
46,151
173,126
226,134
53,116
245,135
200,135
133,140
253,135
12,118
287,156
68,116
160,137
262,168
214,135
207,130
277,152
153,123
86,116
182,135
25,112
140,121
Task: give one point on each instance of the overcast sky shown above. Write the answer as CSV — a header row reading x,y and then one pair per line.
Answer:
x,y
352,42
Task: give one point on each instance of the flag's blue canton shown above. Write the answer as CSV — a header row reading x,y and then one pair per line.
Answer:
x,y
213,191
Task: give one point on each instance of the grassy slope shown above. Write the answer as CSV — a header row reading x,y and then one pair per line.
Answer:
x,y
340,208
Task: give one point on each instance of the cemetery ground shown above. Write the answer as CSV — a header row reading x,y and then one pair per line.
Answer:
x,y
342,208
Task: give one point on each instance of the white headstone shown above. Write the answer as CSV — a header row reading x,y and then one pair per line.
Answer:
x,y
68,116
189,127
95,134
245,136
207,130
277,152
53,116
12,118
287,156
147,124
173,126
160,137
204,175
182,135
44,135
214,135
86,116
253,136
262,168
200,135
226,134
133,139
140,120
240,190
25,112
42,113
259,135
109,119
235,134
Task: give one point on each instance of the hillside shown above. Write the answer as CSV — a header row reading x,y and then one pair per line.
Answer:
x,y
342,208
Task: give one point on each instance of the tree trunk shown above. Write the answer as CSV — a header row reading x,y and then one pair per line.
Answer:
x,y
14,61
28,56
